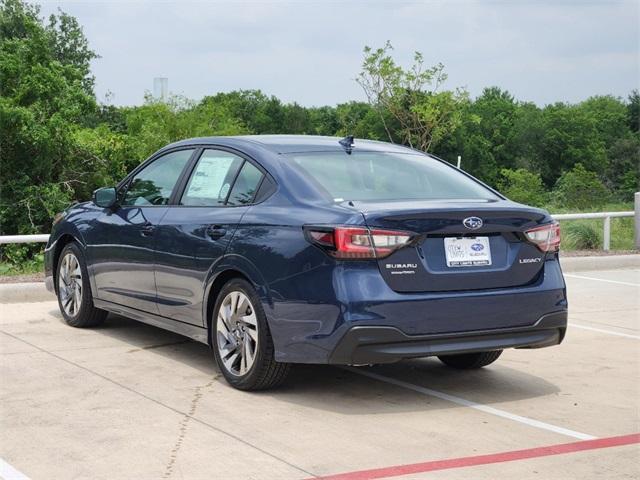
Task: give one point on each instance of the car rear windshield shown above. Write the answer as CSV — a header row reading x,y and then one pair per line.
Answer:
x,y
376,176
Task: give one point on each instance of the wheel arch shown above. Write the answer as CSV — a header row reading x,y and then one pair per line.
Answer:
x,y
62,241
231,266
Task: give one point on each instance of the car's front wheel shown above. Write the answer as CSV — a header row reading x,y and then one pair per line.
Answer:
x,y
470,361
241,339
74,291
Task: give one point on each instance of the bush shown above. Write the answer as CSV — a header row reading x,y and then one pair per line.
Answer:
x,y
522,186
580,188
21,258
582,236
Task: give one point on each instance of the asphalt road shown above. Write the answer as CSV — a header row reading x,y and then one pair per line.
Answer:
x,y
129,401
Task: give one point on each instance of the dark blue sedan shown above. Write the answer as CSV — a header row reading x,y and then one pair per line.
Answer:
x,y
277,250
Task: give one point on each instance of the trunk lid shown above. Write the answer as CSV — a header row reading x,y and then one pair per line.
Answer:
x,y
424,266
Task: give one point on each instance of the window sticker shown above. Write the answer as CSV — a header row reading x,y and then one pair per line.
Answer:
x,y
207,181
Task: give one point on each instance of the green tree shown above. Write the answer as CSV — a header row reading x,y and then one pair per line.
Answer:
x,y
523,186
260,113
45,97
609,115
580,188
412,97
155,124
363,121
324,120
623,167
571,136
483,139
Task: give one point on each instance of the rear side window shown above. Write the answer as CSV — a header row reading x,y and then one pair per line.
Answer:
x,y
211,180
373,176
247,183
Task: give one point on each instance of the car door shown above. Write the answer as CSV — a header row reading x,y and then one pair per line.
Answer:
x,y
121,242
196,232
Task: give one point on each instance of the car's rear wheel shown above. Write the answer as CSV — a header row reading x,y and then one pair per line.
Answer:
x,y
74,291
241,339
470,361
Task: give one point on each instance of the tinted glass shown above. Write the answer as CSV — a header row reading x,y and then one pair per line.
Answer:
x,y
388,176
246,185
265,190
211,179
154,183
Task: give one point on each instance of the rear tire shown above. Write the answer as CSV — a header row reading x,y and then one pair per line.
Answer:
x,y
241,340
74,290
470,361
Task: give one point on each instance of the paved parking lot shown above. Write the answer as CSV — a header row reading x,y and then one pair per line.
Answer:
x,y
129,401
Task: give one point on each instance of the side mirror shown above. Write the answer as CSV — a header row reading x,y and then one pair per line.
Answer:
x,y
105,197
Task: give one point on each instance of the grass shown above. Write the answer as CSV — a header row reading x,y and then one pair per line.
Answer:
x,y
29,267
622,235
579,234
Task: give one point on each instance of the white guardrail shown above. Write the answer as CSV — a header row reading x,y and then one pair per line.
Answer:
x,y
606,238
607,216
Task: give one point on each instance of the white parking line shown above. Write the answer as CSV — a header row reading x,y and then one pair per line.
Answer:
x,y
570,275
7,472
602,330
477,406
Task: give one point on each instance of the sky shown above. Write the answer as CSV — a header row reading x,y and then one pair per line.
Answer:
x,y
311,51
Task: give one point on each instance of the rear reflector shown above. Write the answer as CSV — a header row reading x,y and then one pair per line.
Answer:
x,y
356,242
546,237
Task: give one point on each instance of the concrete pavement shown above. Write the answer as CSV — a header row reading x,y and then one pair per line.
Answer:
x,y
129,401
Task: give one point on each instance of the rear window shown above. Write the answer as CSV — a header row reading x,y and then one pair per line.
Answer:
x,y
373,176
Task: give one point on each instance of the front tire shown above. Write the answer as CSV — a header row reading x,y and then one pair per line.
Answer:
x,y
241,339
74,291
470,361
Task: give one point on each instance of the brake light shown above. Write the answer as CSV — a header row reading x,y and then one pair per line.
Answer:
x,y
357,242
546,237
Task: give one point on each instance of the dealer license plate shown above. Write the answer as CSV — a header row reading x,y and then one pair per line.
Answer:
x,y
467,251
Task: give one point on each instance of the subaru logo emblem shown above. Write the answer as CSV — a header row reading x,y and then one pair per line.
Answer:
x,y
472,223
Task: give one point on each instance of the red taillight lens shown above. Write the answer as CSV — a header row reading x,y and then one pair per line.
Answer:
x,y
356,242
546,237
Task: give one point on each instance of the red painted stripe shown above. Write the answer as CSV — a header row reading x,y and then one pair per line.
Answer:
x,y
487,459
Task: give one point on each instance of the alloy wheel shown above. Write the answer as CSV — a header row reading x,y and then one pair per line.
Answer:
x,y
70,284
237,333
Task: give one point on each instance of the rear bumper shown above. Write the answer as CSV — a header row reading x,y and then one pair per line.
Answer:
x,y
366,344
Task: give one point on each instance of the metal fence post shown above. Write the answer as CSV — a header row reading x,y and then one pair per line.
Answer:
x,y
637,219
607,234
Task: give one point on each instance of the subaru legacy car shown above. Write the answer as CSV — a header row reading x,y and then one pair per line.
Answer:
x,y
277,250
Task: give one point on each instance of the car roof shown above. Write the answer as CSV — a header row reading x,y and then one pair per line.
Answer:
x,y
281,144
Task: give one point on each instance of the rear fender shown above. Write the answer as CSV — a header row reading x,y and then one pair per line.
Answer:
x,y
241,265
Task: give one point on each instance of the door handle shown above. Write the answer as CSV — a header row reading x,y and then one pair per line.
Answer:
x,y
147,230
216,231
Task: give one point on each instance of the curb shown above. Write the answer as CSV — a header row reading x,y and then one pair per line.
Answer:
x,y
36,291
25,292
605,262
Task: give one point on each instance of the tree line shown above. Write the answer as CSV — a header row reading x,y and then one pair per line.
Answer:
x,y
58,143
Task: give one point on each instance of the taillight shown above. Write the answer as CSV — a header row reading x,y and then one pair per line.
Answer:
x,y
546,237
357,242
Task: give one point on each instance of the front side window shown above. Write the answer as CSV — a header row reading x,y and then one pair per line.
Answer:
x,y
154,184
380,176
211,180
